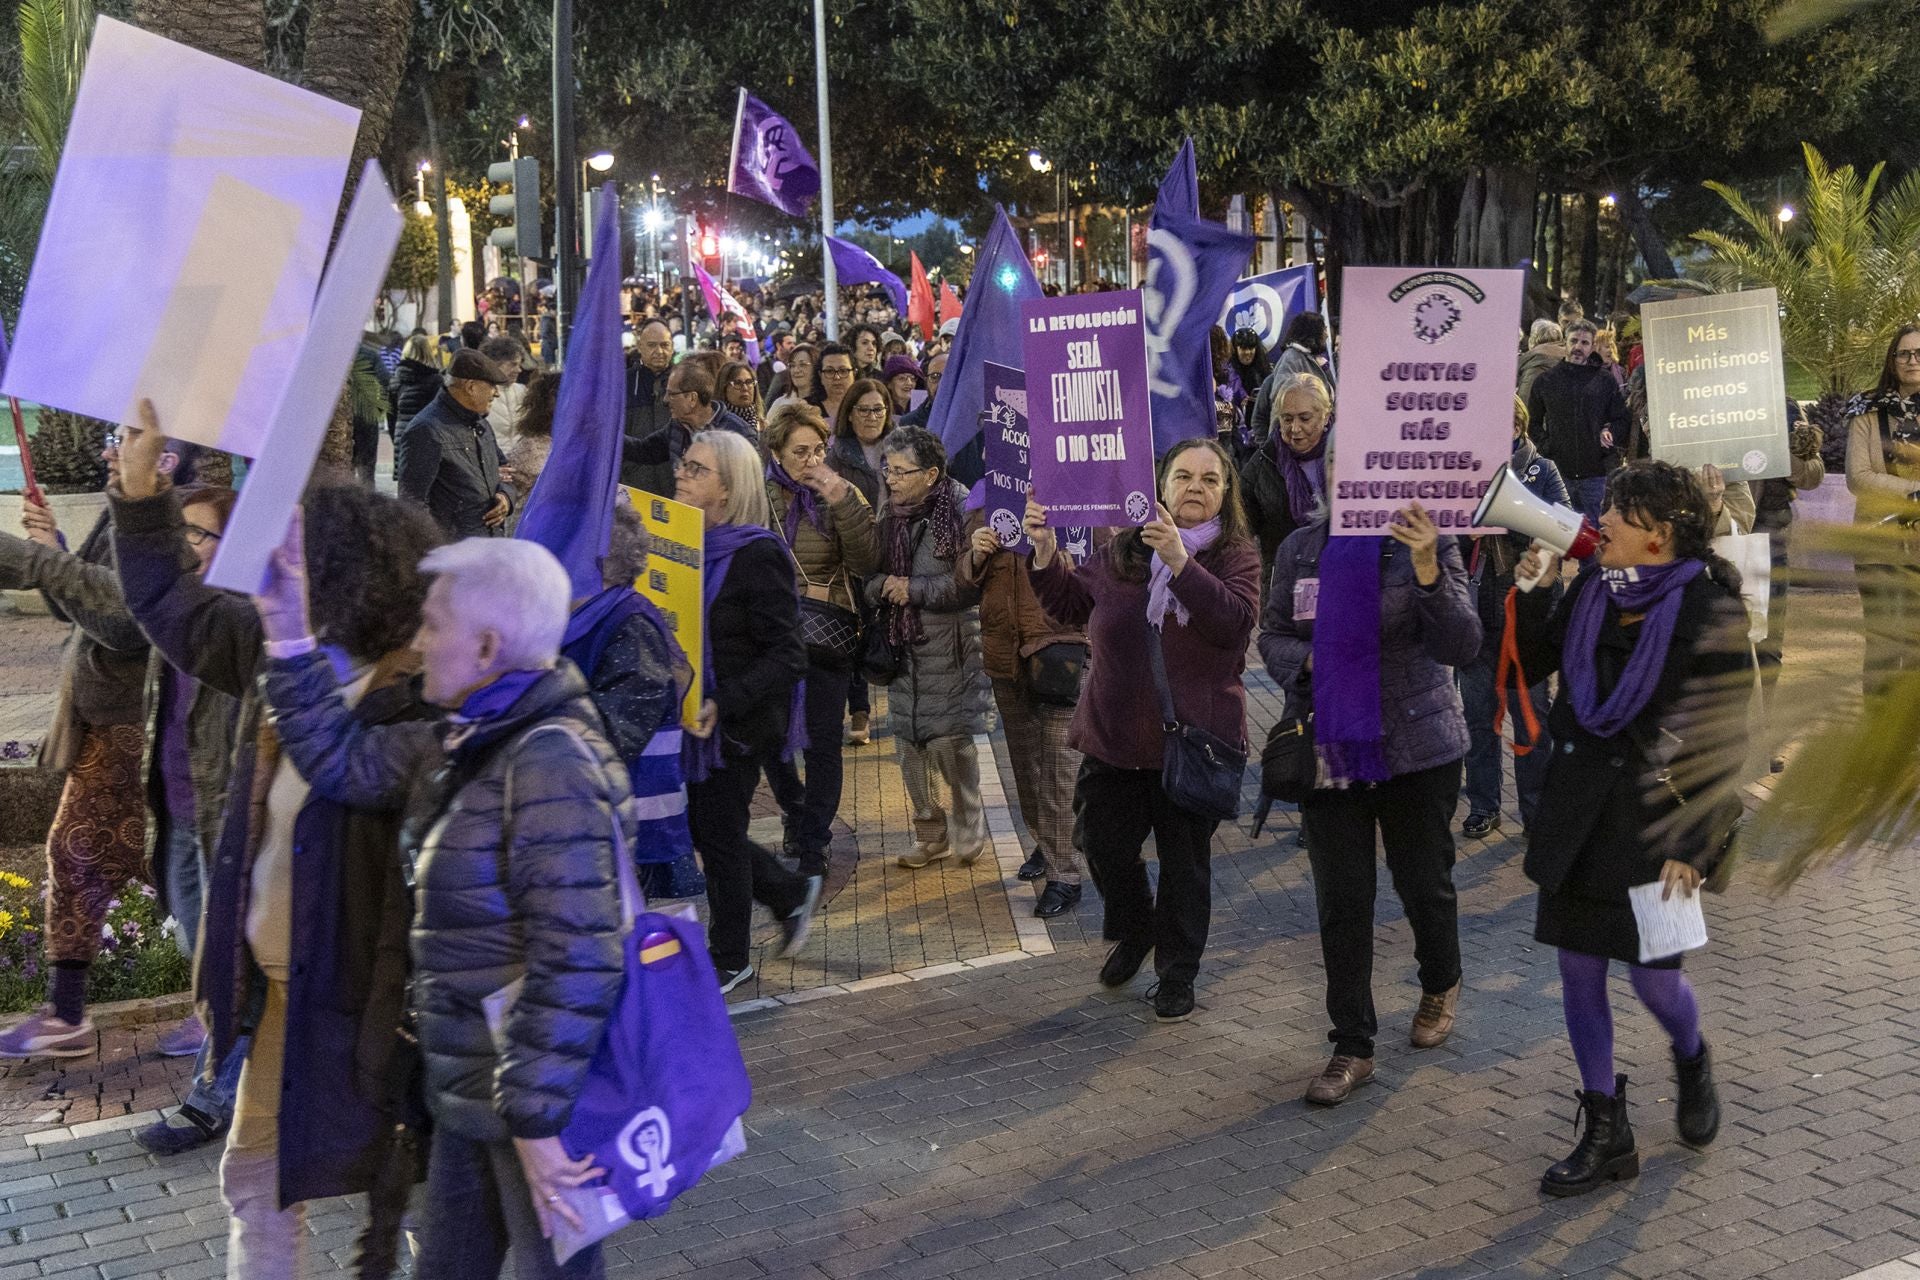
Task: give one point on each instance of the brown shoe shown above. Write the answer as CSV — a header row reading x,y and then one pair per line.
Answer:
x,y
1434,1021
1343,1075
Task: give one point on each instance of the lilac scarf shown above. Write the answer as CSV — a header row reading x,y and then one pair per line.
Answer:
x,y
1160,597
1655,590
497,697
802,502
1349,730
1305,475
701,757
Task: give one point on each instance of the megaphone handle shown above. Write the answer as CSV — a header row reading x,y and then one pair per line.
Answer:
x,y
1528,584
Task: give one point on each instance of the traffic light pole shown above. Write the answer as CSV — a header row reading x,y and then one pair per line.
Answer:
x,y
566,176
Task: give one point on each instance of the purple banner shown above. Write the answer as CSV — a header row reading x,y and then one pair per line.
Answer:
x,y
770,163
854,265
1008,477
1092,442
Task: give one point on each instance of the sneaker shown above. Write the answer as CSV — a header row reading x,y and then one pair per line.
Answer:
x,y
925,854
1433,1022
1337,1081
1123,962
813,862
858,732
1172,1000
43,1035
1479,826
183,1129
184,1040
1056,899
799,921
731,978
1035,867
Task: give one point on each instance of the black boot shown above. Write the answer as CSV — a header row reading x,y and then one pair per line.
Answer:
x,y
1605,1152
1698,1112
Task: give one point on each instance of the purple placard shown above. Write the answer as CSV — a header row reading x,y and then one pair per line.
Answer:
x,y
1005,423
1092,438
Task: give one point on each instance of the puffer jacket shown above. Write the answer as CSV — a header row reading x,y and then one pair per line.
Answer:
x,y
939,693
828,559
413,388
506,888
1424,633
1013,626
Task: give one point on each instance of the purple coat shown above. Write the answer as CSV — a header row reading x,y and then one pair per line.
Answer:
x,y
1118,718
1425,632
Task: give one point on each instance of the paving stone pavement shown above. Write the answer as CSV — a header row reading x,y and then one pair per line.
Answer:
x,y
1017,1120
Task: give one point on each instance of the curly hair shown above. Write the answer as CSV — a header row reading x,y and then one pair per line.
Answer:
x,y
543,396
363,567
1651,492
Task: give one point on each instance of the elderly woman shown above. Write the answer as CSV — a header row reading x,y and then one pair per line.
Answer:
x,y
514,849
1185,584
1650,643
1285,480
752,715
937,700
828,527
1365,632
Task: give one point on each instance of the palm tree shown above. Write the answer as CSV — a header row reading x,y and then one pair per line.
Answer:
x,y
1847,271
53,53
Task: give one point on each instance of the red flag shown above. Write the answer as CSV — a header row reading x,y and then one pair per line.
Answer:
x,y
920,299
949,303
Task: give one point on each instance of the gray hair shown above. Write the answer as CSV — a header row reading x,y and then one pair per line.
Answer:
x,y
628,546
1582,326
741,471
1543,331
484,574
1308,385
918,444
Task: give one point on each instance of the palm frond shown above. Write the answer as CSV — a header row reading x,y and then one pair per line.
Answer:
x,y
53,54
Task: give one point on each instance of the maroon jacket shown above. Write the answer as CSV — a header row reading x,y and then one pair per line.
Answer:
x,y
1118,719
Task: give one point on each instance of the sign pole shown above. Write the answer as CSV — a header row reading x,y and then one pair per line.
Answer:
x,y
827,275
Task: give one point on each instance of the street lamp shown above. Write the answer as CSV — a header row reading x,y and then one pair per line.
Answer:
x,y
420,204
1039,162
1785,215
600,161
966,248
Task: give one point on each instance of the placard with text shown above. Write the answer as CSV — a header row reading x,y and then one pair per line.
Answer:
x,y
674,580
1715,388
1424,411
1087,408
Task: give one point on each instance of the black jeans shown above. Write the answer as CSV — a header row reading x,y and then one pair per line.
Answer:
x,y
479,1210
810,805
1413,813
739,872
1118,809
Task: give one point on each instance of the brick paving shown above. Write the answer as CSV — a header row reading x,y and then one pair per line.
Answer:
x,y
1016,1120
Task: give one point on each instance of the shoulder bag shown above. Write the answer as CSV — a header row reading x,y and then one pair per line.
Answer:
x,y
1289,766
1053,673
1199,772
831,632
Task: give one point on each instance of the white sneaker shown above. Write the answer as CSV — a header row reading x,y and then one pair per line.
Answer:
x,y
42,1035
731,978
800,921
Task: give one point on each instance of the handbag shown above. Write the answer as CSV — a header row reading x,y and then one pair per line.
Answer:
x,y
1289,765
881,660
1718,826
1198,771
831,632
1054,671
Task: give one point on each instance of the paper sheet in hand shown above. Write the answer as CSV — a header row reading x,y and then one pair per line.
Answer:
x,y
298,422
1669,926
183,242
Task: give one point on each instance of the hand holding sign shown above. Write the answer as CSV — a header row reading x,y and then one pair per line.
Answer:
x,y
1045,545
282,602
1163,536
140,450
1414,529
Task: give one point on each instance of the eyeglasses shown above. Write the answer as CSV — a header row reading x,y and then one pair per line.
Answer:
x,y
691,470
836,371
672,394
898,473
816,453
198,537
1910,355
742,383
870,410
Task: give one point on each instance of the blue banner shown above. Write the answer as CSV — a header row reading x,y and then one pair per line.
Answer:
x,y
1267,304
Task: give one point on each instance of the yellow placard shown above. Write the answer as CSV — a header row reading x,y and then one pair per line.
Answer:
x,y
673,579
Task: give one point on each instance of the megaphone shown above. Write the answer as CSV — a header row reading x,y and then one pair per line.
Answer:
x,y
1509,504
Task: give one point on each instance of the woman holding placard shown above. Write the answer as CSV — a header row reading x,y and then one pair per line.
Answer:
x,y
1182,589
1651,646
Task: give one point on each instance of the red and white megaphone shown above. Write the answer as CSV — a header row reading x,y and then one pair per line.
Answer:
x,y
1509,504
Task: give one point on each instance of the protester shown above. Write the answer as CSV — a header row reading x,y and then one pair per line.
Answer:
x,y
936,369
652,465
864,341
836,380
534,440
752,714
472,334
97,843
1546,347
316,1113
780,359
448,459
1650,645
901,374
1035,665
829,528
740,394
1606,347
514,360
1577,417
1303,349
1249,367
416,381
367,407
1490,572
860,432
515,847
647,365
733,348
1883,474
1187,583
1363,631
1285,480
937,701
797,383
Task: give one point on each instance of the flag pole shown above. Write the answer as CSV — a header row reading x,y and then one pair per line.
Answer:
x,y
827,275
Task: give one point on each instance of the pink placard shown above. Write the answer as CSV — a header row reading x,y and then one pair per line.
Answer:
x,y
1428,361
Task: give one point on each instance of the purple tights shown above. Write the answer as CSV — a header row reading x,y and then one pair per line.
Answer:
x,y
1583,995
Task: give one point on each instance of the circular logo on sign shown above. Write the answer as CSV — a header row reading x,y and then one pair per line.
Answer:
x,y
1137,506
1755,462
1006,526
1434,317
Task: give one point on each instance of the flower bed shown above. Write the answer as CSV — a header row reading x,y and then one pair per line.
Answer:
x,y
137,958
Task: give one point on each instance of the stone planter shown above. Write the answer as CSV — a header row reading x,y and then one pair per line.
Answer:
x,y
76,513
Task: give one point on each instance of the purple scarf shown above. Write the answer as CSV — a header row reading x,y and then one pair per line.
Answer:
x,y
1305,475
1655,590
701,757
803,502
497,697
1349,731
1160,597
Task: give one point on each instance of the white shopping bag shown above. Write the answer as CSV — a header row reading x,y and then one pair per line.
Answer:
x,y
1752,555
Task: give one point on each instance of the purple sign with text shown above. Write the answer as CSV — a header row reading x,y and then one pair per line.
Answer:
x,y
1087,411
1008,478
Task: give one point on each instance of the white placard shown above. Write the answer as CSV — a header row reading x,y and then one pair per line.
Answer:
x,y
299,421
185,236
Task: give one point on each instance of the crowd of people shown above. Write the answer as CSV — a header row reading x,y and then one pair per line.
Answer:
x,y
372,796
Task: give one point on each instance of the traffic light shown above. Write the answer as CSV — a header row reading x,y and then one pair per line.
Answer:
x,y
709,245
521,204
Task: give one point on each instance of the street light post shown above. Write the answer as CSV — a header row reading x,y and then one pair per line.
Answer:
x,y
565,176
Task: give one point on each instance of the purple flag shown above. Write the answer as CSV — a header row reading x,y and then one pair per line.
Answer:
x,y
989,330
855,265
570,511
1092,454
770,163
1267,304
1192,265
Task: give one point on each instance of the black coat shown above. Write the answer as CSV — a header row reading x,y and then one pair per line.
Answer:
x,y
753,631
845,456
1263,491
449,461
647,465
1591,840
1567,409
413,388
646,402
